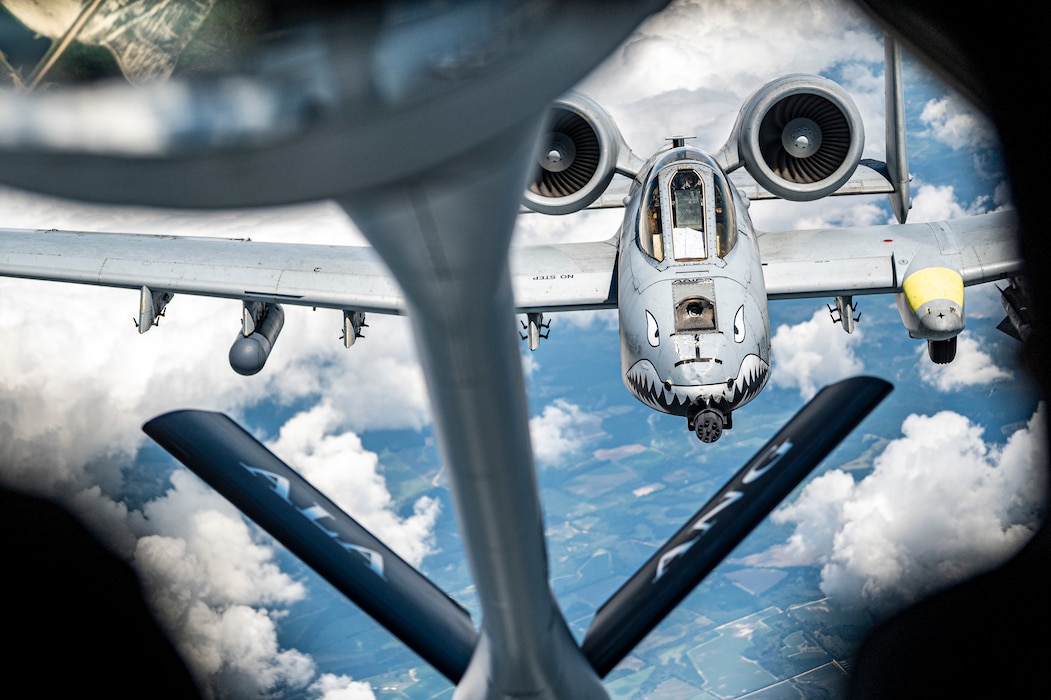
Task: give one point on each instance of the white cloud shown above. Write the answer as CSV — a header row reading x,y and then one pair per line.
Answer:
x,y
233,567
211,584
601,319
939,203
957,123
585,225
782,215
336,463
941,504
561,431
529,363
332,687
811,354
690,68
1002,194
238,645
972,367
376,384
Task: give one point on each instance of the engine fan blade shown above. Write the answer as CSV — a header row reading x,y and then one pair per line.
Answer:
x,y
569,173
713,532
313,528
832,130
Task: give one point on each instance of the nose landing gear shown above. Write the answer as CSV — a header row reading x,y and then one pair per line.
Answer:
x,y
708,424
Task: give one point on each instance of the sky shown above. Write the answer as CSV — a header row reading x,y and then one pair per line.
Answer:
x,y
946,490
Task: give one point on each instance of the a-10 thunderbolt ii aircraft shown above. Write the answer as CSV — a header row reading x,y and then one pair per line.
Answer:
x,y
693,275
687,271
437,202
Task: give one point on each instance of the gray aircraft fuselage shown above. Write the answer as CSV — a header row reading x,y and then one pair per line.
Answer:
x,y
695,331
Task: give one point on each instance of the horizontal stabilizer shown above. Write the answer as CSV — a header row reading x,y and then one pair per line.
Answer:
x,y
710,535
313,528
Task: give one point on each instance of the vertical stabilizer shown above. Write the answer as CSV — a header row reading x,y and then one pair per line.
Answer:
x,y
897,155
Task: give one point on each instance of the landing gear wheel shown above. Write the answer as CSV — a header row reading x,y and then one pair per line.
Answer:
x,y
942,352
708,425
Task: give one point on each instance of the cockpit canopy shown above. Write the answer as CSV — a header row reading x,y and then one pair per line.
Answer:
x,y
687,209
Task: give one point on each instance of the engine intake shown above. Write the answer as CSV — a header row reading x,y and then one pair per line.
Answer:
x,y
576,157
801,137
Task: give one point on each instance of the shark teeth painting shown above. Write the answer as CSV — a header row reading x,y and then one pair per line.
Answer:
x,y
646,384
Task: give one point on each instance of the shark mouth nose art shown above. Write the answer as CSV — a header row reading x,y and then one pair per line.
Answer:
x,y
750,380
645,383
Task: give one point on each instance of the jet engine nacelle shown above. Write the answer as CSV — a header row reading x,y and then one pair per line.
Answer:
x,y
800,137
576,157
248,354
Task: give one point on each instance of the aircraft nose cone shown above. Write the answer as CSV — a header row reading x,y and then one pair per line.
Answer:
x,y
940,317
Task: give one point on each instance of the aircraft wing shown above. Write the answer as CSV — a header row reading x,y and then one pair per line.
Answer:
x,y
549,277
877,259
